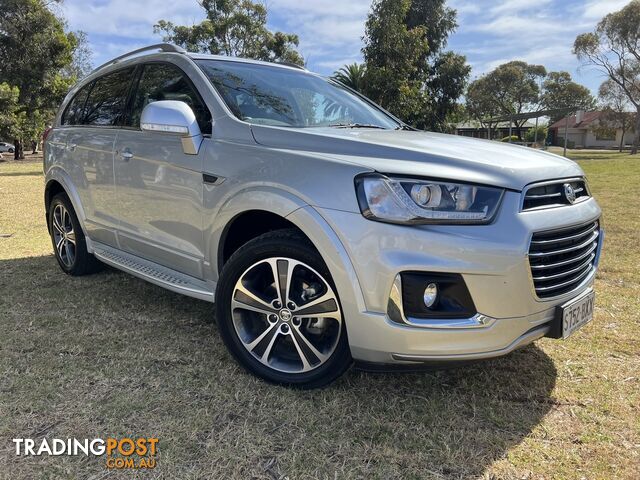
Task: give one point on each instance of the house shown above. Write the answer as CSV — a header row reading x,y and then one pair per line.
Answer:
x,y
475,129
587,130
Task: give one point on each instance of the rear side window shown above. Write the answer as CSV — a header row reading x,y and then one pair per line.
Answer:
x,y
105,105
74,113
163,81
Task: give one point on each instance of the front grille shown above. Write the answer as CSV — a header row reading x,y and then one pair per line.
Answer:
x,y
561,259
553,194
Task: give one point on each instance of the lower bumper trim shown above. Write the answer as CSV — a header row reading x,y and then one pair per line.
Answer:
x,y
525,339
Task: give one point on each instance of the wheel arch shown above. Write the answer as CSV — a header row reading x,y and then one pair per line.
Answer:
x,y
246,226
57,181
292,212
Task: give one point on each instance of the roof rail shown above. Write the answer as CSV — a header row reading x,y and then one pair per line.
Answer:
x,y
165,47
291,64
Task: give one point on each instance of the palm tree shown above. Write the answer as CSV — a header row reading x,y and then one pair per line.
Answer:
x,y
351,75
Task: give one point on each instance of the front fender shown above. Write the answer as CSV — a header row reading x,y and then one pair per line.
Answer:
x,y
309,221
268,199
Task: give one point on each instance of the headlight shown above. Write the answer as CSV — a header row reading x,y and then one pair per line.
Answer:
x,y
409,201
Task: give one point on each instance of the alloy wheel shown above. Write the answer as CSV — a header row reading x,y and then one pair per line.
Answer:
x,y
286,315
64,236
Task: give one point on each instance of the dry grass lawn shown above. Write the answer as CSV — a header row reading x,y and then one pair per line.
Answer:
x,y
110,355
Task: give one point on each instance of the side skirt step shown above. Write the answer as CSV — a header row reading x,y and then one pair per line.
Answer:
x,y
154,273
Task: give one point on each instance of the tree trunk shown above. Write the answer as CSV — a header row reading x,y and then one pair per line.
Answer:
x,y
636,135
624,130
18,150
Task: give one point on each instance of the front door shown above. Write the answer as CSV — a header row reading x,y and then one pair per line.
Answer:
x,y
159,188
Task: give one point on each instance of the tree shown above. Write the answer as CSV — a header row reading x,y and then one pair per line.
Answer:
x,y
616,106
511,89
353,76
480,104
560,92
8,110
407,70
235,28
34,50
82,61
614,48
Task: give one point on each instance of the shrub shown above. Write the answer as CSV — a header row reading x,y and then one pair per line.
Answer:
x,y
542,134
570,143
514,138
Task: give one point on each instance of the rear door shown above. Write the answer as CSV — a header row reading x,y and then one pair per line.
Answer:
x,y
90,147
159,187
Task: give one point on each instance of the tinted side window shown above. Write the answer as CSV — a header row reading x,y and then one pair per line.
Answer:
x,y
162,81
107,98
74,113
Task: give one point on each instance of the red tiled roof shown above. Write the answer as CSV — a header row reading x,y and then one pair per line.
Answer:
x,y
587,118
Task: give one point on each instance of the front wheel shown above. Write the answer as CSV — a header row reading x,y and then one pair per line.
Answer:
x,y
279,314
68,240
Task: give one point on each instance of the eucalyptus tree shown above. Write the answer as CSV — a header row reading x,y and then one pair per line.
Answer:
x,y
235,28
614,48
408,70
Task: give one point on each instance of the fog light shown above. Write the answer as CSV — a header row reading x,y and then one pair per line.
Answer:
x,y
430,295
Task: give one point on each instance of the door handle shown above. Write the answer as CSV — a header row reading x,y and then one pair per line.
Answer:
x,y
126,155
72,146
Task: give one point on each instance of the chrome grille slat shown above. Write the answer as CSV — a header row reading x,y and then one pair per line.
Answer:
x,y
565,239
561,259
551,194
568,272
548,195
565,262
549,253
563,284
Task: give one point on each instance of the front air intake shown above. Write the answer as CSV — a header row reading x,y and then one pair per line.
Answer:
x,y
562,259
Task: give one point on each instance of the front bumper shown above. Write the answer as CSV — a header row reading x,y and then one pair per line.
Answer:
x,y
493,261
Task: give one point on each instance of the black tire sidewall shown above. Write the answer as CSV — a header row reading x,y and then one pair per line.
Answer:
x,y
267,246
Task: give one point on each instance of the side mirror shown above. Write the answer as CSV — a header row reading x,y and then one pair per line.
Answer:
x,y
174,118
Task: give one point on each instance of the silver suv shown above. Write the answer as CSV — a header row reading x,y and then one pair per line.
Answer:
x,y
325,230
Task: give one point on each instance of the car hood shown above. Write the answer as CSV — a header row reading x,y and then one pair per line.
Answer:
x,y
424,154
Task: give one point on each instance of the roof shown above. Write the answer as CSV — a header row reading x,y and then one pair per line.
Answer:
x,y
587,119
174,49
474,124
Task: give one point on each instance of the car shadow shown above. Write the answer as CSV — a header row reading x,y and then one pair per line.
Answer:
x,y
109,354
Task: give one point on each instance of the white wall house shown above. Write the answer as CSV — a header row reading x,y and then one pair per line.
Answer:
x,y
584,132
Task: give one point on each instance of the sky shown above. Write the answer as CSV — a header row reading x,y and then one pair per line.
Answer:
x,y
489,33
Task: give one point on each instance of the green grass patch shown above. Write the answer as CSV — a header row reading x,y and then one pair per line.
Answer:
x,y
109,354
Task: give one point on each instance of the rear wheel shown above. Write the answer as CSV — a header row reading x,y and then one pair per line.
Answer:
x,y
279,313
68,240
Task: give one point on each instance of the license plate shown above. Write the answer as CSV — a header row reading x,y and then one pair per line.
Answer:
x,y
577,313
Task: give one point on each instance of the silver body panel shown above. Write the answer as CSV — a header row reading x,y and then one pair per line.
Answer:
x,y
155,207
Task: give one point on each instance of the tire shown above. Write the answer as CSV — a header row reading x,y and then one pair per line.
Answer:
x,y
11,150
303,344
65,229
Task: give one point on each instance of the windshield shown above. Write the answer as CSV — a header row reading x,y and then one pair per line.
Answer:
x,y
266,95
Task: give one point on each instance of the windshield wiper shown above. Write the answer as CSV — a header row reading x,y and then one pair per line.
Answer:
x,y
356,125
